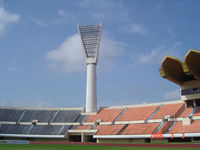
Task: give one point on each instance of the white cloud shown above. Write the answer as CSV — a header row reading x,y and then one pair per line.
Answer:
x,y
63,13
135,28
11,68
39,22
26,103
66,16
157,54
18,103
150,57
69,56
172,95
7,18
103,10
85,3
44,104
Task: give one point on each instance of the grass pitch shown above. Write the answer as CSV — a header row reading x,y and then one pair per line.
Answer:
x,y
77,147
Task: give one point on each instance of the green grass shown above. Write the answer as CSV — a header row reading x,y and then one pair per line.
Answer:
x,y
76,147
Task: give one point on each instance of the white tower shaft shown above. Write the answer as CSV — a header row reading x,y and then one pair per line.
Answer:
x,y
90,37
91,98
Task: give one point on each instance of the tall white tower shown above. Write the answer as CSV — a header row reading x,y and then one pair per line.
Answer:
x,y
90,37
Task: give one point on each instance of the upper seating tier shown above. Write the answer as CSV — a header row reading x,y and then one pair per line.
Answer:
x,y
10,114
40,115
197,112
186,112
173,110
137,113
105,115
67,116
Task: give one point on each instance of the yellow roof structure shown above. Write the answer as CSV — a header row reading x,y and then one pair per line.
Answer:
x,y
179,72
192,60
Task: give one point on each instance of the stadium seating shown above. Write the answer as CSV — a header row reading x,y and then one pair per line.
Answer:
x,y
194,127
173,110
137,129
108,129
37,121
186,112
10,114
81,127
49,130
197,112
40,115
164,128
67,116
105,115
130,120
137,113
14,129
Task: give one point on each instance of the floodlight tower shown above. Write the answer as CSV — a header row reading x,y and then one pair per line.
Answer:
x,y
90,38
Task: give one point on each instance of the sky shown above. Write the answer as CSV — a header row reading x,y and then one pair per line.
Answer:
x,y
42,62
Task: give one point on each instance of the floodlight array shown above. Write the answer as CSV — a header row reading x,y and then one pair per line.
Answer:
x,y
90,36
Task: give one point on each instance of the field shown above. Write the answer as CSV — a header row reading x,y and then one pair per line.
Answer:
x,y
79,147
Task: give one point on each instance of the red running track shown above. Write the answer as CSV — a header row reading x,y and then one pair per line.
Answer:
x,y
130,145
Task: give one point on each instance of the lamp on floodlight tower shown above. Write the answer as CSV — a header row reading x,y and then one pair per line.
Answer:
x,y
90,38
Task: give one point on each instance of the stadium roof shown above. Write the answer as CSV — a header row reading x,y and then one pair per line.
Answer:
x,y
179,72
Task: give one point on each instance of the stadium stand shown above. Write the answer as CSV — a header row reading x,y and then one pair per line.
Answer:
x,y
105,115
137,113
108,129
67,116
82,127
14,129
164,128
194,127
186,112
137,129
37,122
172,110
197,112
40,115
49,130
10,114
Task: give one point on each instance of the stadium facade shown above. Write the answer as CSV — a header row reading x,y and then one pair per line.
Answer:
x,y
173,121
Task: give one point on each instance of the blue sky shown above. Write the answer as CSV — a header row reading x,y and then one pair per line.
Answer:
x,y
42,62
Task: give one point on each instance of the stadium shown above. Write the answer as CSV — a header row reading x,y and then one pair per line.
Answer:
x,y
164,122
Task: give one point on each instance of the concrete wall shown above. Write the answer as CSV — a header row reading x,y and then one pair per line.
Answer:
x,y
121,141
159,141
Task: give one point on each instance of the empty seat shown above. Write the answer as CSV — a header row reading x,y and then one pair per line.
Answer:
x,y
172,110
10,114
108,129
197,112
40,115
105,115
137,129
186,112
14,129
194,127
165,127
81,118
84,127
49,130
137,113
67,116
